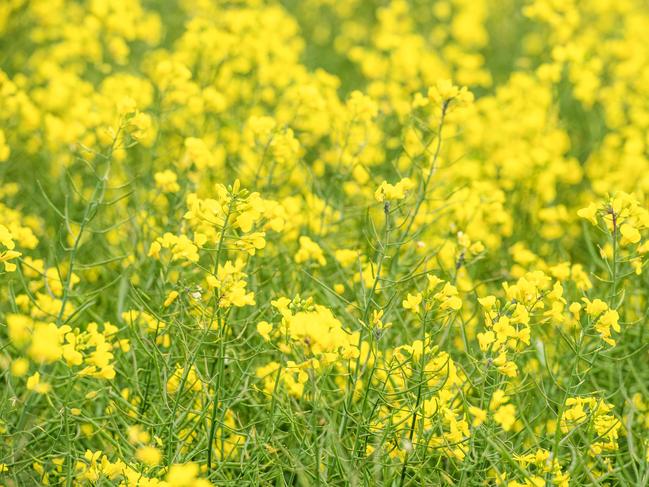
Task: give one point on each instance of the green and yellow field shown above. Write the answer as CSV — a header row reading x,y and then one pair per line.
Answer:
x,y
324,243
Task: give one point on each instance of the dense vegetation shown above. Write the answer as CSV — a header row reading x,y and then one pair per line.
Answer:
x,y
319,242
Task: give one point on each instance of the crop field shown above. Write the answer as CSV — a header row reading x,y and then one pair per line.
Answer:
x,y
324,243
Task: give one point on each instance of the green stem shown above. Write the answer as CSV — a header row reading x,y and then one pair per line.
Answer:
x,y
366,313
220,359
614,269
411,435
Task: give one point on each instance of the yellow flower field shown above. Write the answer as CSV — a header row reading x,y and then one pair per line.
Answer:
x,y
324,243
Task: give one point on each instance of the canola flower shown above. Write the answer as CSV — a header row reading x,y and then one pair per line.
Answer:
x,y
271,242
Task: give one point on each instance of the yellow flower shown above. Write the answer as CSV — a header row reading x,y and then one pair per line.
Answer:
x,y
479,415
230,281
346,257
19,367
589,213
395,192
595,307
505,416
166,181
412,302
504,366
46,343
309,250
630,234
486,339
141,128
445,92
171,297
448,298
7,240
185,475
181,247
487,302
4,147
607,320
433,281
149,455
34,384
137,435
264,328
498,399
